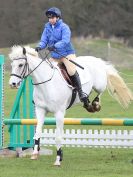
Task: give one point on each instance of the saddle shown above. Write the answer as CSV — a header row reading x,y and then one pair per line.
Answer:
x,y
65,73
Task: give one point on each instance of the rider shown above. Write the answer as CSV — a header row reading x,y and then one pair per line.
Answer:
x,y
56,36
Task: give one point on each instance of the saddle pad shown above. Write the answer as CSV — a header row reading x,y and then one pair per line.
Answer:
x,y
83,73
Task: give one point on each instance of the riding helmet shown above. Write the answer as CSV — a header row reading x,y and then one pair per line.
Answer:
x,y
53,12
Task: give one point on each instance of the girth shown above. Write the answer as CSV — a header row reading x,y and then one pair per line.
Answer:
x,y
74,93
68,80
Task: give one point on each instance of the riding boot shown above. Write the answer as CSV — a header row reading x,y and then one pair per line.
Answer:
x,y
83,97
76,82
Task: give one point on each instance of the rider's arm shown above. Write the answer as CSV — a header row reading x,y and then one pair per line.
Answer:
x,y
44,40
66,36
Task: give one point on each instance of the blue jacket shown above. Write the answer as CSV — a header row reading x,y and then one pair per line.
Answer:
x,y
58,36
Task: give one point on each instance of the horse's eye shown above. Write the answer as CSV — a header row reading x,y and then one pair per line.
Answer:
x,y
20,65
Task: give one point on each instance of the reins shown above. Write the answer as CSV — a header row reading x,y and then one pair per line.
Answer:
x,y
43,59
26,67
69,59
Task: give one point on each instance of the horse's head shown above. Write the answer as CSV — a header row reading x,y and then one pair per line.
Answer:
x,y
19,65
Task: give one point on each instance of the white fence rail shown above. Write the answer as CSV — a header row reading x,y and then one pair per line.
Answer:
x,y
90,138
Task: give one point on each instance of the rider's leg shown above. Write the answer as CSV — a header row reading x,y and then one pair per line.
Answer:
x,y
71,69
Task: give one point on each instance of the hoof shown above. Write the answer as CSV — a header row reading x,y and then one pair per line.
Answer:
x,y
34,156
89,108
96,106
58,164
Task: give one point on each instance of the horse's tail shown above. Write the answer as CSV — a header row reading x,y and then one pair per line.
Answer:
x,y
117,87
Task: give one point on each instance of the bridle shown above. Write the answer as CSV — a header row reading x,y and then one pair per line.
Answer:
x,y
26,68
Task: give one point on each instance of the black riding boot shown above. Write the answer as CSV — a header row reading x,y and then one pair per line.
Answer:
x,y
76,82
83,97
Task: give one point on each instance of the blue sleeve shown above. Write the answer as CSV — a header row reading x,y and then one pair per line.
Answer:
x,y
66,36
44,40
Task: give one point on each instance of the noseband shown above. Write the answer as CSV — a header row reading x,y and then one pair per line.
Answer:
x,y
26,67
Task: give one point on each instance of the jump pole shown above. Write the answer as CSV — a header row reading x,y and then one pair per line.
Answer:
x,y
74,121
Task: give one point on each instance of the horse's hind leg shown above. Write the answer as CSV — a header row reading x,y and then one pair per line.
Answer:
x,y
96,103
40,114
94,106
59,133
88,106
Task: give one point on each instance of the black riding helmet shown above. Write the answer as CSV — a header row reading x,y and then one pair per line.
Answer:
x,y
53,12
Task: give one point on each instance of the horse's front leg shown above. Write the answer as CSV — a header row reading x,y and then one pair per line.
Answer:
x,y
59,133
40,115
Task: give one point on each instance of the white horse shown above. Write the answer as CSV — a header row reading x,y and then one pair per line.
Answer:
x,y
53,94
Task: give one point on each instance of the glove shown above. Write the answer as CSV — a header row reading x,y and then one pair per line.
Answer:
x,y
37,49
51,48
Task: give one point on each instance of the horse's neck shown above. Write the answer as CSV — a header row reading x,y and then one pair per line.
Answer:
x,y
42,72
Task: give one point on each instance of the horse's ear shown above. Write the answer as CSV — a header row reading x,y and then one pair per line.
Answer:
x,y
24,51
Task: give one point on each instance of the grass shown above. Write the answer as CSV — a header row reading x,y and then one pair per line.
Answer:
x,y
118,53
77,163
80,162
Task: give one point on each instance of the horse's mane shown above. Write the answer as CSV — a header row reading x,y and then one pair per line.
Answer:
x,y
31,51
17,52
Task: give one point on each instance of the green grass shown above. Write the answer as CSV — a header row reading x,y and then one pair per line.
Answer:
x,y
80,162
119,54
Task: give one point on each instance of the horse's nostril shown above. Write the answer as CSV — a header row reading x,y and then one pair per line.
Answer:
x,y
13,83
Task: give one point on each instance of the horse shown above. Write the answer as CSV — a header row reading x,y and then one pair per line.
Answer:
x,y
53,94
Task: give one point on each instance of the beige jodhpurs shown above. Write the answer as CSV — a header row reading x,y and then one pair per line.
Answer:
x,y
71,68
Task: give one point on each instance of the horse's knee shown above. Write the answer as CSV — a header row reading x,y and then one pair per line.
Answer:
x,y
59,119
